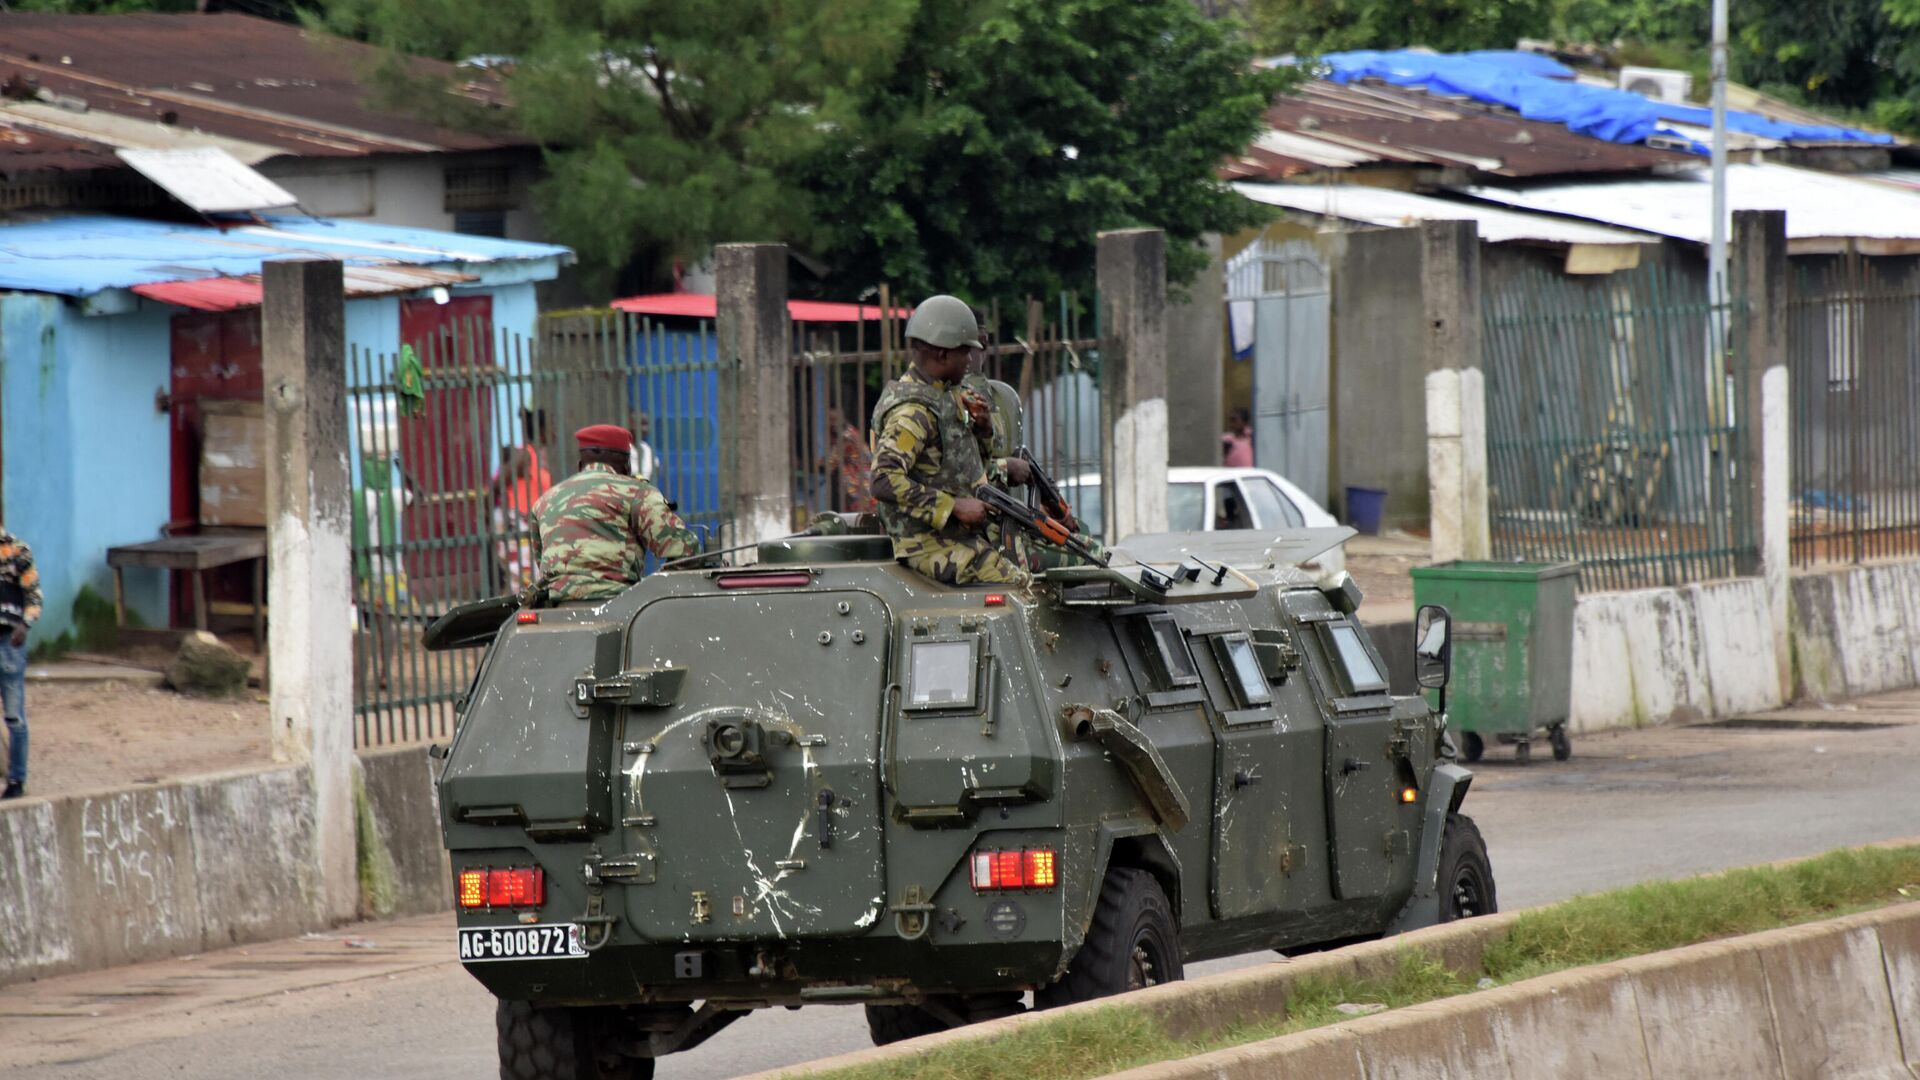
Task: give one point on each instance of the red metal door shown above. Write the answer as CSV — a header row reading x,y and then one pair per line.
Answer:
x,y
216,357
448,450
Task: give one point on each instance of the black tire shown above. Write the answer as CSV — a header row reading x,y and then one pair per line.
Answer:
x,y
1472,746
889,1024
1562,742
560,1044
1466,874
1133,942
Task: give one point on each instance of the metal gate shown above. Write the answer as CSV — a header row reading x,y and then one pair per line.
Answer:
x,y
1277,295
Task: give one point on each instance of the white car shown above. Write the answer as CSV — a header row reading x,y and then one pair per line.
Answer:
x,y
1205,498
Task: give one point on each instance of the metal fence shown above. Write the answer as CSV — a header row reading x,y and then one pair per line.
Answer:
x,y
1049,353
1853,327
457,435
1612,436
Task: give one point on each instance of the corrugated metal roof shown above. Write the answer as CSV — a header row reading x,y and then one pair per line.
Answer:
x,y
693,305
1332,126
230,293
1825,211
226,75
1382,206
80,255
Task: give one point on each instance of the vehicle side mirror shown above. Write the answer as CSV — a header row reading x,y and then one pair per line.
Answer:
x,y
1432,647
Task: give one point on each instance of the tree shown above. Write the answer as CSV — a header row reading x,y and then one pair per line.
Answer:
x,y
1010,132
1312,27
667,124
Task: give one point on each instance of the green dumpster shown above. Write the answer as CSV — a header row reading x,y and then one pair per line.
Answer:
x,y
1512,650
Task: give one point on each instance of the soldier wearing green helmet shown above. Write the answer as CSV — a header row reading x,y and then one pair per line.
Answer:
x,y
927,461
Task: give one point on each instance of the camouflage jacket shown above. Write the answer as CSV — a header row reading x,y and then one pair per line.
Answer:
x,y
594,528
925,457
19,582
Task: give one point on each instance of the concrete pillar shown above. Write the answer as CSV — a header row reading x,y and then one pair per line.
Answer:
x,y
1196,349
756,343
1379,422
1456,392
1131,272
309,576
1757,269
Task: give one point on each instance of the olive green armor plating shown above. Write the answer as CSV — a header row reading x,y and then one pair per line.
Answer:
x,y
774,785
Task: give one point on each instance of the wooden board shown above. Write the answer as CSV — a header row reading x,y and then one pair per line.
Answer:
x,y
233,455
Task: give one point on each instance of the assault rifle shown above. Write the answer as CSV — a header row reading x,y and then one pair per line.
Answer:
x,y
1042,485
1036,522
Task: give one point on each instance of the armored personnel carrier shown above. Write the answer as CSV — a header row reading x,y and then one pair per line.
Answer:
x,y
822,779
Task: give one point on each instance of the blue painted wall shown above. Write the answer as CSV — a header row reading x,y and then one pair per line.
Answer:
x,y
85,451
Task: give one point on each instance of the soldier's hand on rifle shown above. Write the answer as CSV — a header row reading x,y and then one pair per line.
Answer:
x,y
1019,473
969,512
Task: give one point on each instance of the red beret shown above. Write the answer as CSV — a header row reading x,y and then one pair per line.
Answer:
x,y
604,437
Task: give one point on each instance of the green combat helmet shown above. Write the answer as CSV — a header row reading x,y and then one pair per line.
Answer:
x,y
945,322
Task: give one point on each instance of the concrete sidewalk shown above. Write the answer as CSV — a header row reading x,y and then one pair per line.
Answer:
x,y
76,1017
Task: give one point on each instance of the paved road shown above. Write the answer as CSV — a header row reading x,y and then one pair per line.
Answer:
x,y
1630,806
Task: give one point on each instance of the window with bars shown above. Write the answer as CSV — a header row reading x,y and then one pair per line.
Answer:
x,y
479,187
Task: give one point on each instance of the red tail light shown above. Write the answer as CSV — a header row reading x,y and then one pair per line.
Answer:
x,y
1032,868
523,886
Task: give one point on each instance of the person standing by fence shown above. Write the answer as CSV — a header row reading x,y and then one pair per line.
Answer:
x,y
1236,445
518,484
19,610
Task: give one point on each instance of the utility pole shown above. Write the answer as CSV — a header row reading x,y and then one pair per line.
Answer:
x,y
1717,245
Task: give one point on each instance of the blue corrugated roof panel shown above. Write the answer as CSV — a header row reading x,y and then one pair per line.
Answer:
x,y
81,255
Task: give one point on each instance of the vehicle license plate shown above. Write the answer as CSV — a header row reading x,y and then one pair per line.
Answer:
x,y
548,941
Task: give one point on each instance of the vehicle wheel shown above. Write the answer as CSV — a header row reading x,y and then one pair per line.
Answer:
x,y
1132,943
1466,876
560,1044
897,1023
1562,742
1472,746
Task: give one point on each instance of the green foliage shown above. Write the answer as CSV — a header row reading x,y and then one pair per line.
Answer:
x,y
668,124
94,628
1010,132
1312,27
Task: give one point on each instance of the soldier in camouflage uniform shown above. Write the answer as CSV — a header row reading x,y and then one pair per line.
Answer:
x,y
927,459
994,408
593,529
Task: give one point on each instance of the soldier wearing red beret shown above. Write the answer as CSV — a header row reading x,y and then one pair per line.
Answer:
x,y
594,527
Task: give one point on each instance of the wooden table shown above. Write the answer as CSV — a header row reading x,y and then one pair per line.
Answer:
x,y
196,554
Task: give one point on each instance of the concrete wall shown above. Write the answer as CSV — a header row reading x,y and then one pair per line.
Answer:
x,y
1856,630
91,881
84,452
1655,656
406,189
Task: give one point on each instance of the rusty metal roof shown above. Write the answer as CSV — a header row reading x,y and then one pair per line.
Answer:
x,y
231,293
1332,127
259,85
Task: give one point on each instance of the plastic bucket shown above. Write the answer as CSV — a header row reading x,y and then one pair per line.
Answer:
x,y
1365,508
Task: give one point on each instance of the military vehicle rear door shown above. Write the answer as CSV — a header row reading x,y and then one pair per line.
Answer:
x,y
1365,752
751,805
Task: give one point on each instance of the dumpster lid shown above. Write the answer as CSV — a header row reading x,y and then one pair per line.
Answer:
x,y
1487,570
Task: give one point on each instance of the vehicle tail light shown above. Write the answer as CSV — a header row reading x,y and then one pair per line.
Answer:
x,y
1031,868
521,886
473,888
527,617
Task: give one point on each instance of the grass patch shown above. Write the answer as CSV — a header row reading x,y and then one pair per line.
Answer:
x,y
1594,929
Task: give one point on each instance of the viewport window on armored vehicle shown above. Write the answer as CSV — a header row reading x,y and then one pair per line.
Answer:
x,y
817,778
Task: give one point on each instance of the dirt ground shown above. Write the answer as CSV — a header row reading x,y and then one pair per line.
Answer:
x,y
1379,565
86,736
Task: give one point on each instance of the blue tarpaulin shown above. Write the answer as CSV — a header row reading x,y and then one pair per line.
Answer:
x,y
1541,88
